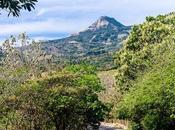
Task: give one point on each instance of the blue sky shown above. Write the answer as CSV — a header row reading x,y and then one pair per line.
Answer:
x,y
59,18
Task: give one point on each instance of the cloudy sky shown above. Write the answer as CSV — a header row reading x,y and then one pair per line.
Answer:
x,y
59,18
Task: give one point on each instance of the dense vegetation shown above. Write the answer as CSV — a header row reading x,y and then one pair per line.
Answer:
x,y
35,96
62,100
146,68
36,93
137,54
150,104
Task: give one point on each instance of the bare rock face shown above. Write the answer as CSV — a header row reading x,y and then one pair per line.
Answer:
x,y
101,22
105,21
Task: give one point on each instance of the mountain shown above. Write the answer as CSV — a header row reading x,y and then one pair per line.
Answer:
x,y
94,45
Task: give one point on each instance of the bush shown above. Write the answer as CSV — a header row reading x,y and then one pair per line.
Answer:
x,y
62,100
150,104
137,54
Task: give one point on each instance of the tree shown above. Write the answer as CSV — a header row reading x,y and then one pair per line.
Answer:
x,y
22,52
150,104
18,65
14,7
60,100
136,55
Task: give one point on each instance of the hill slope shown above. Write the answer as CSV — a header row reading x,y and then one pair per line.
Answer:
x,y
146,71
137,53
94,45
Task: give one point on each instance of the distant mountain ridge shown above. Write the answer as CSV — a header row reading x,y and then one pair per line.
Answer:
x,y
94,45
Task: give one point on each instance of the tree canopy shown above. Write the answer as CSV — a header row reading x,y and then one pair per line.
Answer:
x,y
61,100
136,55
150,104
14,7
148,58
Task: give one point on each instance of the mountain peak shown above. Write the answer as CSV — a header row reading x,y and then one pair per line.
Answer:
x,y
105,18
105,21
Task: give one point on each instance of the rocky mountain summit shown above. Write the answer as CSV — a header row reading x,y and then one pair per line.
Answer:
x,y
105,21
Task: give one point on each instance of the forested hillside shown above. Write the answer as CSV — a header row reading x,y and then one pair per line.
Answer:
x,y
94,45
146,75
138,52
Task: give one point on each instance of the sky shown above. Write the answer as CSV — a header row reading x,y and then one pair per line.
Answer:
x,y
53,19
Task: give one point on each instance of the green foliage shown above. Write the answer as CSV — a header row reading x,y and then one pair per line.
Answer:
x,y
82,68
60,100
15,6
87,76
150,103
64,100
20,57
138,51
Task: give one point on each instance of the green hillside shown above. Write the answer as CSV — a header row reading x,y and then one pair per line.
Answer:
x,y
151,102
138,52
147,71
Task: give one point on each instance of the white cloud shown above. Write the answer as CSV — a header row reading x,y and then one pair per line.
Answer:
x,y
128,11
54,16
42,27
